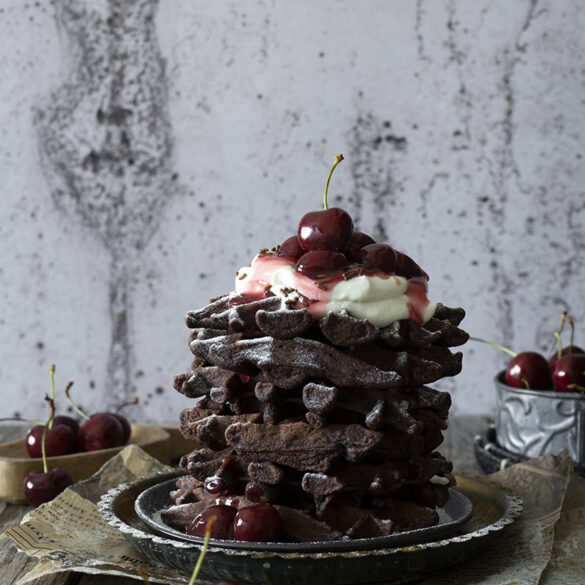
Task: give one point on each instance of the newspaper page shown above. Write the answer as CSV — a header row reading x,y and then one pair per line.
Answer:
x,y
69,534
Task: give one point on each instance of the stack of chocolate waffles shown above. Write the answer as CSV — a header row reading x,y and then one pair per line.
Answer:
x,y
331,421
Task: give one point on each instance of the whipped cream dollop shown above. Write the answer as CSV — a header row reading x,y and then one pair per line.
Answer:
x,y
376,296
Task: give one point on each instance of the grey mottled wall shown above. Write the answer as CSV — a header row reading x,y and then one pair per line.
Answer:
x,y
151,148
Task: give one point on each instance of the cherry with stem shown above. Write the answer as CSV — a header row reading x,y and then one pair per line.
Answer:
x,y
329,229
43,486
102,430
568,371
60,433
528,370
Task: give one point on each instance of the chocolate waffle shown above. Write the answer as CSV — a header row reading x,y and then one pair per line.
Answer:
x,y
331,420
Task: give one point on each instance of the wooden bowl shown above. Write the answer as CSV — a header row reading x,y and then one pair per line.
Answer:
x,y
15,463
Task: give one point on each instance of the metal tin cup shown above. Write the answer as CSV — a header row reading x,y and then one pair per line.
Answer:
x,y
538,422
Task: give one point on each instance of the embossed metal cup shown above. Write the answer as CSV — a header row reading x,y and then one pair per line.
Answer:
x,y
539,422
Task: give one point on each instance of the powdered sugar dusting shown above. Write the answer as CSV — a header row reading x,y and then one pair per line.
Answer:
x,y
292,362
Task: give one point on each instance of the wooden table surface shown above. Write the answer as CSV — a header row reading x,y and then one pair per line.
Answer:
x,y
458,447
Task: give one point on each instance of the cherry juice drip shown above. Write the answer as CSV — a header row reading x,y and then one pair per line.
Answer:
x,y
417,299
226,479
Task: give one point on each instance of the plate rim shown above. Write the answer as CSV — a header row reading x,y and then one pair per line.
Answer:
x,y
513,507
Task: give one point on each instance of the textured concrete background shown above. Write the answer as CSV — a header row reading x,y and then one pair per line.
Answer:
x,y
150,149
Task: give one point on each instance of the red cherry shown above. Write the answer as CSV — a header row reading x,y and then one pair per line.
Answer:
x,y
569,373
60,440
358,241
407,267
329,229
66,420
529,370
260,523
41,487
321,263
379,256
125,426
570,349
290,248
103,430
221,528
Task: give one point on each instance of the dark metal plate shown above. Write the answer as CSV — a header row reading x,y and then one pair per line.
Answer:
x,y
152,501
494,507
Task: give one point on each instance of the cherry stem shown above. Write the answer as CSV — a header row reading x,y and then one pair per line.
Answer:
x,y
135,400
210,523
142,569
52,376
51,402
496,345
576,387
336,161
572,330
558,338
26,420
555,340
43,452
75,407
